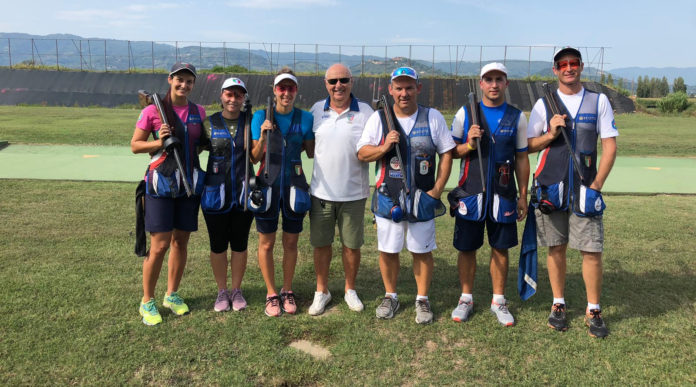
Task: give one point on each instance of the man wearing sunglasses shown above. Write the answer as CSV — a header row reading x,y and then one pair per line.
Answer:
x,y
407,191
340,185
489,181
568,199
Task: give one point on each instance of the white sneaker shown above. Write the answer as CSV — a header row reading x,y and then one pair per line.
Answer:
x,y
319,303
353,301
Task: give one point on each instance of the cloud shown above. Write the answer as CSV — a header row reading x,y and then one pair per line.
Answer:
x,y
275,4
123,16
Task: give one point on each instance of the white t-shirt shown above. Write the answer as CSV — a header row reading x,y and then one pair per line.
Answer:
x,y
338,175
459,131
606,127
372,135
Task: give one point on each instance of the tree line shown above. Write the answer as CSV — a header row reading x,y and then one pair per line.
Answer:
x,y
658,88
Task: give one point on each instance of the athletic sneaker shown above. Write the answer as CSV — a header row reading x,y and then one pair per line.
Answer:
x,y
176,304
557,318
321,299
387,308
237,300
593,319
463,310
353,301
423,313
273,308
222,302
289,304
150,313
503,314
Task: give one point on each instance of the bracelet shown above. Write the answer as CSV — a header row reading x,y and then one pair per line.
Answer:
x,y
469,146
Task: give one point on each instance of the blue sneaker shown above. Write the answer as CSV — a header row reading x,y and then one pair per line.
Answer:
x,y
150,313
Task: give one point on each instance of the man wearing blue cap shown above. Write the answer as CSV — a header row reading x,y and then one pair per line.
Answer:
x,y
407,191
486,196
567,183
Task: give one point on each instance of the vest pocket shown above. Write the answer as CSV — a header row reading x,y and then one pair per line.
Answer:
x,y
550,198
383,206
504,210
260,201
299,201
198,181
161,185
589,203
213,198
426,207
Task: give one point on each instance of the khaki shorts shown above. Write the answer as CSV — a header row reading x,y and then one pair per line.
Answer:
x,y
325,215
579,232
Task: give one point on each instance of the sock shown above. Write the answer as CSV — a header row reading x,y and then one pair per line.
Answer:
x,y
392,295
592,306
351,291
271,295
467,297
499,299
421,298
559,300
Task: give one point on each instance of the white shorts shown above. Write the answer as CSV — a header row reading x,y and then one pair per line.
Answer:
x,y
420,236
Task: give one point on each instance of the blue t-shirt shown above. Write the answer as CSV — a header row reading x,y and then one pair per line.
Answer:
x,y
493,115
283,121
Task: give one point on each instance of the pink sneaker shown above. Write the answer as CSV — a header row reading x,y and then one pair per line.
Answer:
x,y
222,302
273,306
237,300
289,304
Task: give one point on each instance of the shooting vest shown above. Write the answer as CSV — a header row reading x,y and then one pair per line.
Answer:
x,y
162,179
224,179
418,152
498,162
286,177
555,170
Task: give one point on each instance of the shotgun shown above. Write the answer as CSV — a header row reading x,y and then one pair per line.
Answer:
x,y
390,126
269,117
473,104
170,142
247,146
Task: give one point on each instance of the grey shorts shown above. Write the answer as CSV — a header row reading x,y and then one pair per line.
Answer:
x,y
349,216
579,232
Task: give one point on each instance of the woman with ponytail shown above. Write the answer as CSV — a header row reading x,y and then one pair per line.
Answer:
x,y
170,214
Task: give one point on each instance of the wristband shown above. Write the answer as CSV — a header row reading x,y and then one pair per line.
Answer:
x,y
469,146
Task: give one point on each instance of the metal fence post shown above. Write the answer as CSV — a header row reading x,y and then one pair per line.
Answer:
x,y
200,55
529,63
105,68
316,58
249,51
339,53
33,61
224,56
505,56
9,51
152,54
362,62
294,60
433,70
385,60
409,55
57,65
129,56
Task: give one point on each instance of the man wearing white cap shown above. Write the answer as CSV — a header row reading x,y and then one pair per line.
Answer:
x,y
569,203
490,199
340,185
221,202
407,191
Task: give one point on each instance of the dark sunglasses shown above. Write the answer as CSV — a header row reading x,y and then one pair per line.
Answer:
x,y
289,89
334,81
562,65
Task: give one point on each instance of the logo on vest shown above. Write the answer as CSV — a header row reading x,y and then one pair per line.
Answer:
x,y
587,118
394,163
395,174
298,169
462,208
598,204
424,167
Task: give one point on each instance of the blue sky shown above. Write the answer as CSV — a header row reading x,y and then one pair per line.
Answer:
x,y
637,33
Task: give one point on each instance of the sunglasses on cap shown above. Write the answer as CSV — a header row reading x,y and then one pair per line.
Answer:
x,y
284,88
404,71
334,81
564,64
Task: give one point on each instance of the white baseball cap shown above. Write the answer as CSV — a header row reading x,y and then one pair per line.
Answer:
x,y
494,66
566,50
284,76
233,82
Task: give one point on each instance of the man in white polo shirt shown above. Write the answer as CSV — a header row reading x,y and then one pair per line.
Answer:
x,y
340,185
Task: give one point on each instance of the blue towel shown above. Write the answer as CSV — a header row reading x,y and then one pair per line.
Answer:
x,y
527,275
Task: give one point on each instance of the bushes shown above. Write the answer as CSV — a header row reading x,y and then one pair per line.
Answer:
x,y
673,103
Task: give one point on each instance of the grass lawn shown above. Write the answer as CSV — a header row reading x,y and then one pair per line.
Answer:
x,y
640,134
71,287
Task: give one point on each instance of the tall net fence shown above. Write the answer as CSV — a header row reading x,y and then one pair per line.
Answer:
x,y
363,60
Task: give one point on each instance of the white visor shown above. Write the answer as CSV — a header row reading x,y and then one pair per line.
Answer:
x,y
283,76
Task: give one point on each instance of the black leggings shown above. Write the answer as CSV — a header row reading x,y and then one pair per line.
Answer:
x,y
230,229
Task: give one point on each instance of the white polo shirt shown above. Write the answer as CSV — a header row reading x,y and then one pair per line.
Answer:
x,y
338,175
